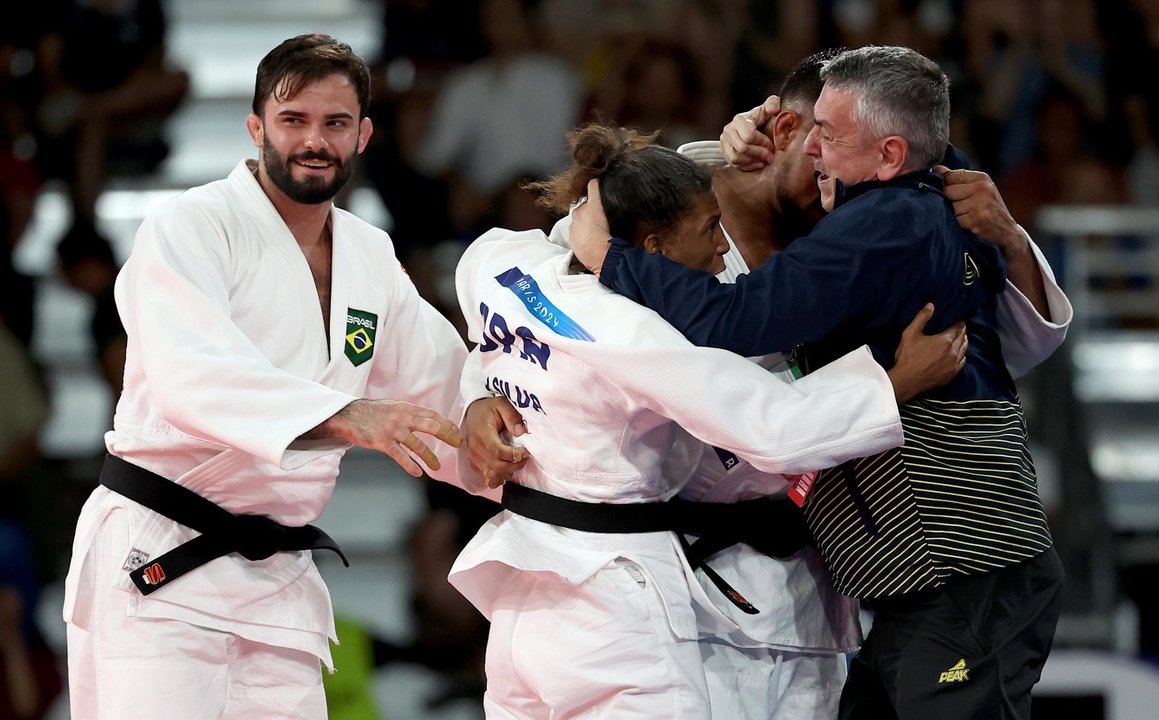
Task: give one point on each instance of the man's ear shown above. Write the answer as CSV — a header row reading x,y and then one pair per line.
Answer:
x,y
365,130
253,124
652,243
780,130
894,154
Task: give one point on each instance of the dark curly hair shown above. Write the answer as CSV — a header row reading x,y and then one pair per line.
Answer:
x,y
304,59
644,187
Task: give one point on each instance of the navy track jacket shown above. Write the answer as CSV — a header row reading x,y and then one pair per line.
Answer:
x,y
960,496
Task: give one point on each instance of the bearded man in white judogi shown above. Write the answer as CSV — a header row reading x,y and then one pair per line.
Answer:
x,y
268,331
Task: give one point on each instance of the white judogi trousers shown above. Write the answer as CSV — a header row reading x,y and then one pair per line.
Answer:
x,y
769,684
192,673
600,649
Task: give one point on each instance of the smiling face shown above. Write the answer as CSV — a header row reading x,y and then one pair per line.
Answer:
x,y
696,240
308,142
837,150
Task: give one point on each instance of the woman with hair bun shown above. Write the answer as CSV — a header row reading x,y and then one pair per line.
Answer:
x,y
586,585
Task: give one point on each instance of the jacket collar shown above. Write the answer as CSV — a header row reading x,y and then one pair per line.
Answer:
x,y
954,159
927,180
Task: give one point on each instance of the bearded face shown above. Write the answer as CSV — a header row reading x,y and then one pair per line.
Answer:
x,y
320,174
309,139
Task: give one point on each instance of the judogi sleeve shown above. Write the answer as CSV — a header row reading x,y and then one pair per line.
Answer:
x,y
472,387
207,378
1028,338
420,362
843,411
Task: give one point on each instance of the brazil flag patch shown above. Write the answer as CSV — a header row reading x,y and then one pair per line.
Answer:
x,y
360,328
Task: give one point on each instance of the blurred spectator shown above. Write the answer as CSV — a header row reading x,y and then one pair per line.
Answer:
x,y
108,89
20,84
418,41
20,93
918,24
773,37
419,49
1067,167
653,63
1134,95
931,26
1071,50
516,208
20,181
30,678
659,88
86,261
596,36
22,414
999,56
505,113
452,129
1014,53
711,30
416,201
17,290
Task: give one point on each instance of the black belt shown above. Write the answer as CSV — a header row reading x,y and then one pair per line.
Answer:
x,y
774,526
254,537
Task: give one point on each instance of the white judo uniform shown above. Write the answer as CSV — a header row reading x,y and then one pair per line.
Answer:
x,y
787,661
228,363
596,625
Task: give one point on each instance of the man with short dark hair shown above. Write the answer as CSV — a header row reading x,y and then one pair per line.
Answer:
x,y
268,331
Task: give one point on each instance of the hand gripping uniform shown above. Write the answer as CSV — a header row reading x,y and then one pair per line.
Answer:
x,y
228,363
582,623
787,661
959,500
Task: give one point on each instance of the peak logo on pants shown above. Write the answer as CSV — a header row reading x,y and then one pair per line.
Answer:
x,y
958,673
360,329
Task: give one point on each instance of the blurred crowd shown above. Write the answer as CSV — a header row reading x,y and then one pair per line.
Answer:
x,y
1056,99
1045,93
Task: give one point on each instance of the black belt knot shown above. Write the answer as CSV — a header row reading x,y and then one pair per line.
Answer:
x,y
257,536
254,537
